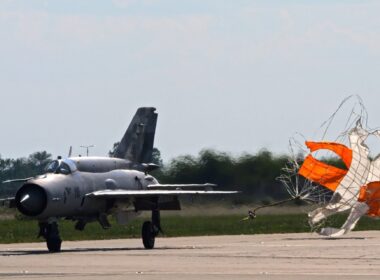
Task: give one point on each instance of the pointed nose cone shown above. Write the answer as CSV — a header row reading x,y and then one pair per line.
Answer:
x,y
31,200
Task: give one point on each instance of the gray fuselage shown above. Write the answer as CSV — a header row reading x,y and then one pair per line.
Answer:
x,y
62,191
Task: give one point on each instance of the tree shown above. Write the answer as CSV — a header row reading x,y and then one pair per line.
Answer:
x,y
111,153
38,161
156,157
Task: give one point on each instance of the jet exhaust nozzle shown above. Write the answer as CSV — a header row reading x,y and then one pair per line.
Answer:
x,y
31,200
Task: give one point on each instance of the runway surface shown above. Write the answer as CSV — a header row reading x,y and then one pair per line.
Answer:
x,y
276,256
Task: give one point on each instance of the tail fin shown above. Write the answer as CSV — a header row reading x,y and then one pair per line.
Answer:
x,y
137,142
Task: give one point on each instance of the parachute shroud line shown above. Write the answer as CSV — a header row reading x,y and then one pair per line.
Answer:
x,y
355,188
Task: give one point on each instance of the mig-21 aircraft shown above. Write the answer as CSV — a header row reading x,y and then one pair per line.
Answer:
x,y
88,189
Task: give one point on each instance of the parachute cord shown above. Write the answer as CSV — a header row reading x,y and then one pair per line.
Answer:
x,y
252,213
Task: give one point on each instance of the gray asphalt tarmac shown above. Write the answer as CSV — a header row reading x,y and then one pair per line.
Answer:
x,y
275,256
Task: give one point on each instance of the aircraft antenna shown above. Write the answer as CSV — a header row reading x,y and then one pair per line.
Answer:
x,y
87,148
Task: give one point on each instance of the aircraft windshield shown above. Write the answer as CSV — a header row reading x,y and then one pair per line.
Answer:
x,y
58,167
64,168
52,167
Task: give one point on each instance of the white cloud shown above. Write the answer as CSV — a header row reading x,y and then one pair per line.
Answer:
x,y
43,30
40,30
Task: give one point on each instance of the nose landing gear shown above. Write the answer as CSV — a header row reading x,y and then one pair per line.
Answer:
x,y
50,232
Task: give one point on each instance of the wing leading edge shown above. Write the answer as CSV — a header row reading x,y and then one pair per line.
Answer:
x,y
206,186
149,193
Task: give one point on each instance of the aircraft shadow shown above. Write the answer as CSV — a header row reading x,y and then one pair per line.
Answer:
x,y
326,238
79,250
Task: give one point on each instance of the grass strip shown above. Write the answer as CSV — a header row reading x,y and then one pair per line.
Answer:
x,y
14,231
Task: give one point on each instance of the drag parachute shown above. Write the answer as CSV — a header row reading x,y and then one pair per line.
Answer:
x,y
355,188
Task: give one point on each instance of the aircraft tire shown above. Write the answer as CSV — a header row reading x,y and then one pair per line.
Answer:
x,y
148,235
54,244
53,240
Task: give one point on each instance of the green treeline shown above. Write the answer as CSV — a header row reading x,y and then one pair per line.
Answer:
x,y
255,175
20,168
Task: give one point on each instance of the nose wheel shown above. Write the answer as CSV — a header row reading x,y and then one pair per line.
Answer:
x,y
50,232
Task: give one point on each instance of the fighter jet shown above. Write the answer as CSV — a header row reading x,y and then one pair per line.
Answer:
x,y
88,189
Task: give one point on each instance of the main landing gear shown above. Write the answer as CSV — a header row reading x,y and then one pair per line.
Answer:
x,y
151,229
50,232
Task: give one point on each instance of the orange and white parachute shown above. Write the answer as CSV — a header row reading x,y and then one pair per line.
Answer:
x,y
355,188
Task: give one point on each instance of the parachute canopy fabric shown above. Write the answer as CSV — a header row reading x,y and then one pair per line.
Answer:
x,y
341,150
355,189
370,194
322,173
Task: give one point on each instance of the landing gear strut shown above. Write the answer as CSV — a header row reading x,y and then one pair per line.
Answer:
x,y
50,232
151,229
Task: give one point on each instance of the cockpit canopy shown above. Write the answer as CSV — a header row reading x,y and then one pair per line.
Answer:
x,y
64,166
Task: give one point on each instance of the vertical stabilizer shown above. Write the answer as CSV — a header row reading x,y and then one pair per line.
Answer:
x,y
137,142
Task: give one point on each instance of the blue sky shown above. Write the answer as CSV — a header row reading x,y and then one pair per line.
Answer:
x,y
231,75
